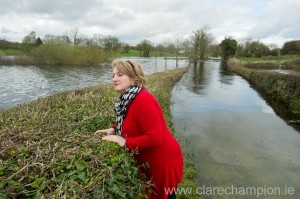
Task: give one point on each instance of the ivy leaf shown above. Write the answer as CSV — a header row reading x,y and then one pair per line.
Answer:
x,y
80,165
81,176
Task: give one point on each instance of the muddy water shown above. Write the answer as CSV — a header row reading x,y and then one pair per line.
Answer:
x,y
235,139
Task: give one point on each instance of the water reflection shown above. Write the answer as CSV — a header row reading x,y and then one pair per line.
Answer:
x,y
226,77
19,84
235,137
198,78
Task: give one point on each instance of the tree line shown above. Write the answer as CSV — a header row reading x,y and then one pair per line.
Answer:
x,y
75,48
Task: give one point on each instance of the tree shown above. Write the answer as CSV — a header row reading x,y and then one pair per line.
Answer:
x,y
160,49
4,44
200,40
29,41
178,46
74,36
38,41
109,43
214,50
30,38
272,46
144,47
291,47
186,47
228,48
262,50
125,48
251,48
53,39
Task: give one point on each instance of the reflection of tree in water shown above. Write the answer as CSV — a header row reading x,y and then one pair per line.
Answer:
x,y
198,78
226,77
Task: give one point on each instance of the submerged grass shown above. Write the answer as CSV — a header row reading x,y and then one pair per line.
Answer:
x,y
48,147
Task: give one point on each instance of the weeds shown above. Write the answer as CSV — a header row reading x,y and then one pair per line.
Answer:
x,y
48,148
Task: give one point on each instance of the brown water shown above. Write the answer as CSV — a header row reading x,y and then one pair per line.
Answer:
x,y
237,142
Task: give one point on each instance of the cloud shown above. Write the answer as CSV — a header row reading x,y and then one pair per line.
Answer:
x,y
5,30
281,20
156,20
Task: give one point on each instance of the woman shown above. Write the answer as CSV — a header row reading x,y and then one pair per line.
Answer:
x,y
140,125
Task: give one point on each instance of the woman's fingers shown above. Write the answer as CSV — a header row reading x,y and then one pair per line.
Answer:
x,y
100,131
112,138
115,138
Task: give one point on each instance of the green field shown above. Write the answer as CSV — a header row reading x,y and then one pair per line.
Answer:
x,y
277,60
12,52
136,53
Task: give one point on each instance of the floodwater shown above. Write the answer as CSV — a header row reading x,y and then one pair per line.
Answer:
x,y
21,84
234,137
240,147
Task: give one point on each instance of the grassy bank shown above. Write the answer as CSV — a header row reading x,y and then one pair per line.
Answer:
x,y
279,88
283,62
48,147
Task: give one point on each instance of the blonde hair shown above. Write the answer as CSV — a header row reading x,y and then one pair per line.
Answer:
x,y
131,69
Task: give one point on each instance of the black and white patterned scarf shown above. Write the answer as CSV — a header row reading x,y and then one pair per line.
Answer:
x,y
120,105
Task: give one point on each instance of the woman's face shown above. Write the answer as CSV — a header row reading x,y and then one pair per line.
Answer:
x,y
121,82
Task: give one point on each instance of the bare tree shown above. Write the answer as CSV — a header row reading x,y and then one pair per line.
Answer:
x,y
73,35
53,39
125,47
97,39
109,43
178,43
200,40
272,46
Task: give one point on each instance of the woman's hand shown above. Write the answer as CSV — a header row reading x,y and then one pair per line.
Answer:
x,y
115,138
109,131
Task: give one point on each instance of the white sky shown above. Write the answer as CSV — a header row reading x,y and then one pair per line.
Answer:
x,y
159,21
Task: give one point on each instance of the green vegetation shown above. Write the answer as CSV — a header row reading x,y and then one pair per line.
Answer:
x,y
291,48
48,147
1,53
68,54
279,59
189,178
198,46
131,53
60,54
229,47
280,88
249,59
136,53
13,52
161,54
282,62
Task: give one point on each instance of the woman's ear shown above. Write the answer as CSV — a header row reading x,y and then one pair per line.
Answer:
x,y
132,80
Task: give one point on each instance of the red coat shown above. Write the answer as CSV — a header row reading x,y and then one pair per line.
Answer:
x,y
145,130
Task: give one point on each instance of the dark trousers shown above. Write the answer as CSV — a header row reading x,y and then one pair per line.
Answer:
x,y
172,196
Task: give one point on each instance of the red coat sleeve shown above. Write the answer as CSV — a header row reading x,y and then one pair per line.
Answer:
x,y
149,118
